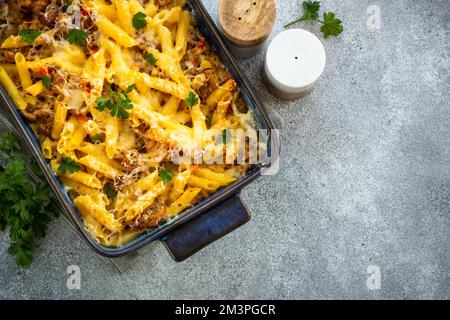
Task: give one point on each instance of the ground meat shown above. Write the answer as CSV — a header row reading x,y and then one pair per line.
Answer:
x,y
151,218
33,6
8,56
167,3
125,180
133,161
49,17
44,127
59,77
133,164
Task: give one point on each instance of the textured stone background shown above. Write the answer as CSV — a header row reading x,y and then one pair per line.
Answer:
x,y
364,180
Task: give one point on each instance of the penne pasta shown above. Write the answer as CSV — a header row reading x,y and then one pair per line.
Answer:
x,y
131,111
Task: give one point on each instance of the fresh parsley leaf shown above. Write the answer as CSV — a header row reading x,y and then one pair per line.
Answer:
x,y
110,191
310,10
166,175
23,253
119,109
139,21
8,143
208,120
192,99
68,165
331,25
102,103
151,58
96,138
47,81
26,206
117,103
67,6
77,36
29,35
130,88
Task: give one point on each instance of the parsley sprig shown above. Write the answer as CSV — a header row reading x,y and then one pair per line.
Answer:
x,y
68,165
192,99
26,206
77,36
151,58
166,175
117,103
331,26
139,20
110,191
46,81
96,138
29,35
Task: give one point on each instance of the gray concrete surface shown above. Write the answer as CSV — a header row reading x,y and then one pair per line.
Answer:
x,y
364,180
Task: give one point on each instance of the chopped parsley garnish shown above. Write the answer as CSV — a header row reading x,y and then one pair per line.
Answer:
x,y
139,20
117,103
110,191
151,58
26,206
192,99
331,26
68,4
68,165
77,36
29,35
47,81
166,175
208,120
96,138
130,88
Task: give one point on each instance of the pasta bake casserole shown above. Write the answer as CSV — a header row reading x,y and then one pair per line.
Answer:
x,y
134,111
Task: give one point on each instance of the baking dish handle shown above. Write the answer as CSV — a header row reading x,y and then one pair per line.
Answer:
x,y
207,228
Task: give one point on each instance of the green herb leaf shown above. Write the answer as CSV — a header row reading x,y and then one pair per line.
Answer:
x,y
139,20
310,10
77,36
331,25
68,165
23,253
68,4
110,191
120,108
29,35
26,206
102,103
166,175
130,88
117,103
192,99
208,120
96,138
151,58
8,143
47,81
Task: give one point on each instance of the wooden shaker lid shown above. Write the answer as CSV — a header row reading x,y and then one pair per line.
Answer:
x,y
247,23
